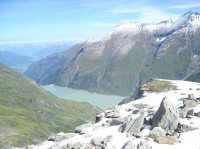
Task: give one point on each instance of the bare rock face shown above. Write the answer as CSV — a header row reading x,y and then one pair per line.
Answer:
x,y
166,117
135,125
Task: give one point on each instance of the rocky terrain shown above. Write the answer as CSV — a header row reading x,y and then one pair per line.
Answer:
x,y
130,55
165,115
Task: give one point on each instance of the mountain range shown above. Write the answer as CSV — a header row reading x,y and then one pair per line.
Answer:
x,y
128,56
28,114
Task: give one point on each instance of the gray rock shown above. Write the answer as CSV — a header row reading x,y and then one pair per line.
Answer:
x,y
183,111
129,145
83,129
190,103
190,112
112,114
96,141
60,136
144,145
184,128
166,117
135,125
191,97
148,121
100,143
106,140
158,131
99,117
135,111
76,145
117,121
197,114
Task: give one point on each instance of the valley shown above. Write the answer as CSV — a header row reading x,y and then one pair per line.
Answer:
x,y
99,74
128,56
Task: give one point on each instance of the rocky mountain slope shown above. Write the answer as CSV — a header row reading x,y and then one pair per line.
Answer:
x,y
128,56
28,114
166,115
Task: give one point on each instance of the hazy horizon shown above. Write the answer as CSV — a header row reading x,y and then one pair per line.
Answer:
x,y
79,20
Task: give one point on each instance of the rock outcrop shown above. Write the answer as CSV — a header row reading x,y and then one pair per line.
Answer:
x,y
134,126
166,117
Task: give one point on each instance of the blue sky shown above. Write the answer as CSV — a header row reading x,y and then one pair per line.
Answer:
x,y
38,20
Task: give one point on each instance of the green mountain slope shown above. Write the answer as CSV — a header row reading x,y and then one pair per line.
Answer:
x,y
28,114
130,55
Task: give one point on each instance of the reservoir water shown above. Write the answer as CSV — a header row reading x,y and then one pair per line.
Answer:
x,y
99,100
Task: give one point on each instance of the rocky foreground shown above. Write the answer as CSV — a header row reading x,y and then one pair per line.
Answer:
x,y
166,114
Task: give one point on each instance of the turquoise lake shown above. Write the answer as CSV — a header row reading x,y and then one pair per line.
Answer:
x,y
99,100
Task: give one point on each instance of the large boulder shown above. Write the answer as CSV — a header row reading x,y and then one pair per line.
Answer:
x,y
166,116
134,126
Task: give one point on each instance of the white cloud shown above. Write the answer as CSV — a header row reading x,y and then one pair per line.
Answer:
x,y
154,16
185,6
121,11
101,24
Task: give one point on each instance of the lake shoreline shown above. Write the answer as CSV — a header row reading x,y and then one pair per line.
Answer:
x,y
99,100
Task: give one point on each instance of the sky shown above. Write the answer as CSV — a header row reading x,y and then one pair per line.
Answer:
x,y
46,20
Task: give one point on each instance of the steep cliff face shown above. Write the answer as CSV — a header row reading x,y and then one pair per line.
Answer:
x,y
128,56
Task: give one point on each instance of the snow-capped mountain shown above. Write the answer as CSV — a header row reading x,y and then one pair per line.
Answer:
x,y
189,19
165,115
130,55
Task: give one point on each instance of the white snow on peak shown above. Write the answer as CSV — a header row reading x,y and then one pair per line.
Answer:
x,y
175,18
95,47
176,22
129,27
